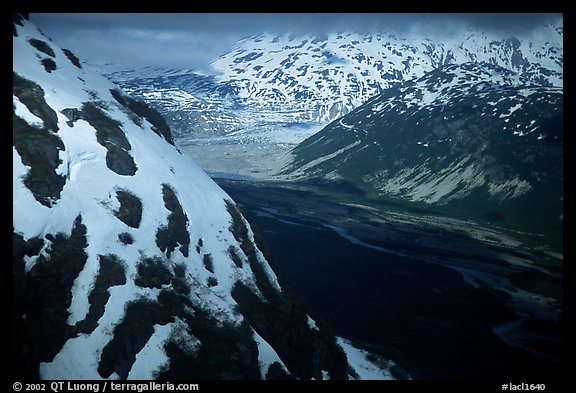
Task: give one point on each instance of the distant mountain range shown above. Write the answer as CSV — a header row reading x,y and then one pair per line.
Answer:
x,y
333,74
305,78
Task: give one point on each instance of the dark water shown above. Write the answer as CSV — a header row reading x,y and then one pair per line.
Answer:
x,y
423,316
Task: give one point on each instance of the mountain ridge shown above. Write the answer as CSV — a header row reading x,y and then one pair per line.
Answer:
x,y
355,66
459,134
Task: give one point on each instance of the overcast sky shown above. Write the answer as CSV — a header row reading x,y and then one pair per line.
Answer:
x,y
191,40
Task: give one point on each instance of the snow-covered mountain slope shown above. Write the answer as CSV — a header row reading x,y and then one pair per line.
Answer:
x,y
306,78
467,136
336,73
129,262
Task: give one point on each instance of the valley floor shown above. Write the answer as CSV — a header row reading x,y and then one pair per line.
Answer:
x,y
443,298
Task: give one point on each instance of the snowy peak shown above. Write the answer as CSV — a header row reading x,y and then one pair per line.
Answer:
x,y
337,72
452,83
129,261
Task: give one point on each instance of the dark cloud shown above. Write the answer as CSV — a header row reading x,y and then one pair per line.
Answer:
x,y
194,39
286,22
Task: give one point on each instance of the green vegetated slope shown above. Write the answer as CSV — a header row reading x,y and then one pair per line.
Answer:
x,y
465,140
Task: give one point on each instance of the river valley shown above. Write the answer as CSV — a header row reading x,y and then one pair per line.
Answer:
x,y
444,298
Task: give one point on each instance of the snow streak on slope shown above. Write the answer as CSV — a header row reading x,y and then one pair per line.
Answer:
x,y
129,261
366,368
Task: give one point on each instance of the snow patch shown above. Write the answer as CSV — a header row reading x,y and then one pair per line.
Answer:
x,y
361,362
266,355
312,323
327,157
509,189
152,357
23,112
421,183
